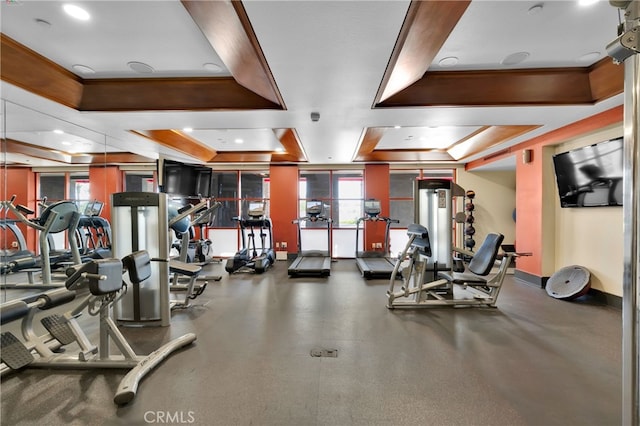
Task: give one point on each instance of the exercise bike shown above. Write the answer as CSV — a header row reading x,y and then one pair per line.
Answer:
x,y
252,258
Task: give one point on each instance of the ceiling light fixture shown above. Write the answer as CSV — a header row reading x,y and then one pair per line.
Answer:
x,y
589,58
43,23
448,61
140,67
58,132
515,58
187,129
211,67
238,140
76,12
83,69
587,2
534,10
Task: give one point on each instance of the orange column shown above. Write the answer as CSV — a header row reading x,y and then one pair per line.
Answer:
x,y
529,212
21,182
376,185
284,204
104,181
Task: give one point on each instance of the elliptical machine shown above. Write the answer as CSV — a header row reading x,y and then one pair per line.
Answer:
x,y
252,258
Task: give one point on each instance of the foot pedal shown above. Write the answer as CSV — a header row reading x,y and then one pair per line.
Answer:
x,y
59,328
198,292
13,352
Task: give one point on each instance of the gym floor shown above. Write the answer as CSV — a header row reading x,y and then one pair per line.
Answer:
x,y
533,360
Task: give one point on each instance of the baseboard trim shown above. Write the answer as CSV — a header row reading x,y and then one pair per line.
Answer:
x,y
535,280
597,295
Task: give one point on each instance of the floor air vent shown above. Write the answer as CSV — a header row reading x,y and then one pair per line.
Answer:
x,y
327,353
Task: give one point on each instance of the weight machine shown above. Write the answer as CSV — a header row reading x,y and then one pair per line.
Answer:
x,y
101,282
473,287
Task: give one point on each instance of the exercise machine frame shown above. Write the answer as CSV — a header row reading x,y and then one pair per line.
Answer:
x,y
474,287
103,280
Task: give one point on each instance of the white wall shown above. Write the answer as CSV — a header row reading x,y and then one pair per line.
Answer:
x,y
591,237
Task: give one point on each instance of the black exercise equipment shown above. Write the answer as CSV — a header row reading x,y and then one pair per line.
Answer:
x,y
372,263
57,217
312,262
251,257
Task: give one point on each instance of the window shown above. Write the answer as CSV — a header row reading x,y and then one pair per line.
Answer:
x,y
139,182
341,192
235,190
401,184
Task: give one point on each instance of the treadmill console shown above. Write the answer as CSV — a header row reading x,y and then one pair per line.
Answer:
x,y
372,208
256,210
314,208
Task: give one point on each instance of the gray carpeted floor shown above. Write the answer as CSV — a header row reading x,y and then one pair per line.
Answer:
x,y
532,361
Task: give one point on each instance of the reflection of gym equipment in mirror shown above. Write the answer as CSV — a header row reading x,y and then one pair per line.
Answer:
x,y
312,262
473,287
251,257
100,284
57,217
182,222
374,263
94,232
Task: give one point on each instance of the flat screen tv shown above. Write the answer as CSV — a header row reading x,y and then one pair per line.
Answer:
x,y
590,176
188,180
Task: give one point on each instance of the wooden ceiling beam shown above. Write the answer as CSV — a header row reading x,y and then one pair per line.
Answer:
x,y
226,26
33,72
426,27
183,94
540,86
180,142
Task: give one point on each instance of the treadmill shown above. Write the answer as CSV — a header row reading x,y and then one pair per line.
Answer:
x,y
374,264
312,262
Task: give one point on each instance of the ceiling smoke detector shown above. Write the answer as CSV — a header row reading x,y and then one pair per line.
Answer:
x,y
315,116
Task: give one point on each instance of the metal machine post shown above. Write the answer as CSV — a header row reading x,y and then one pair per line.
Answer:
x,y
434,210
625,50
140,222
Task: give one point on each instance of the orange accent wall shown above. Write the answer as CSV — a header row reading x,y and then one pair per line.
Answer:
x,y
105,181
529,213
284,204
21,182
376,185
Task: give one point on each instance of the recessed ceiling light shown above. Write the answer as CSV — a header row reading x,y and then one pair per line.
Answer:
x,y
238,140
187,129
58,132
43,23
588,58
140,67
76,12
534,10
83,69
448,61
396,127
211,67
587,2
66,143
515,58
